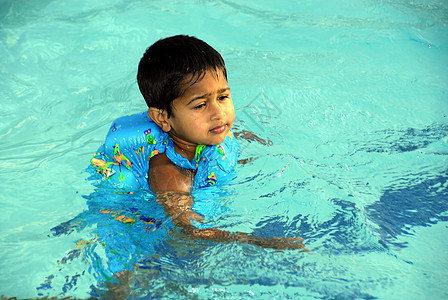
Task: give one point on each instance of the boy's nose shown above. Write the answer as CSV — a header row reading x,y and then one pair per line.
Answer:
x,y
217,111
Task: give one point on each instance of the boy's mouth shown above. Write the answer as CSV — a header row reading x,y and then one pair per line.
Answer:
x,y
219,129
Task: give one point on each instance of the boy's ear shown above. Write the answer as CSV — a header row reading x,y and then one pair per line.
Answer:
x,y
160,117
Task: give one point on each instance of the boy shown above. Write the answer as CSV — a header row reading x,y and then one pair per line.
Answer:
x,y
184,141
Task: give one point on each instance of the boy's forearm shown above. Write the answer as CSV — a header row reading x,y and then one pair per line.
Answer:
x,y
218,235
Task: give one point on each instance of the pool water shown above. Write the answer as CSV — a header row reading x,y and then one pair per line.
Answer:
x,y
352,94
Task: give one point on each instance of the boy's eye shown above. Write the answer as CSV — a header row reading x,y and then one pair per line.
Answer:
x,y
199,106
223,97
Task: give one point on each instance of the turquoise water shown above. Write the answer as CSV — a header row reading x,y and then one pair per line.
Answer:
x,y
352,94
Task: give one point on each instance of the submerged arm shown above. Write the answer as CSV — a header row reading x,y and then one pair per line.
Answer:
x,y
172,186
251,137
178,206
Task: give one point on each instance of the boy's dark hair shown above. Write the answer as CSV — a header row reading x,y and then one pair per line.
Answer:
x,y
166,65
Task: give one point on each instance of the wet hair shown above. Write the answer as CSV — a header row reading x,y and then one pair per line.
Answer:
x,y
170,64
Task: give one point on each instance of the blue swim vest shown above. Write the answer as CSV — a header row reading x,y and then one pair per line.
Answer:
x,y
132,140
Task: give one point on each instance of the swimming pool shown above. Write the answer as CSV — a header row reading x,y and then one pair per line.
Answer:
x,y
353,96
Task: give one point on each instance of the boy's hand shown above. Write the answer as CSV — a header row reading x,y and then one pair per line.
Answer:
x,y
274,243
288,243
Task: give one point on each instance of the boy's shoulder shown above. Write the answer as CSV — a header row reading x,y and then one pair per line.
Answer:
x,y
134,123
134,130
164,175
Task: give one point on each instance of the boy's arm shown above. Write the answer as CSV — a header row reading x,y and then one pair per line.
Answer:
x,y
251,137
172,186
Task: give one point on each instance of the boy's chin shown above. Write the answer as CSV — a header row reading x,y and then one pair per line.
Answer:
x,y
217,141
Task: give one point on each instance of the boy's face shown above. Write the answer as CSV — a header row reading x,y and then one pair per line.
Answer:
x,y
204,113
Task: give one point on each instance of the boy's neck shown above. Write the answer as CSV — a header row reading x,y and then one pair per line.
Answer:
x,y
186,150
